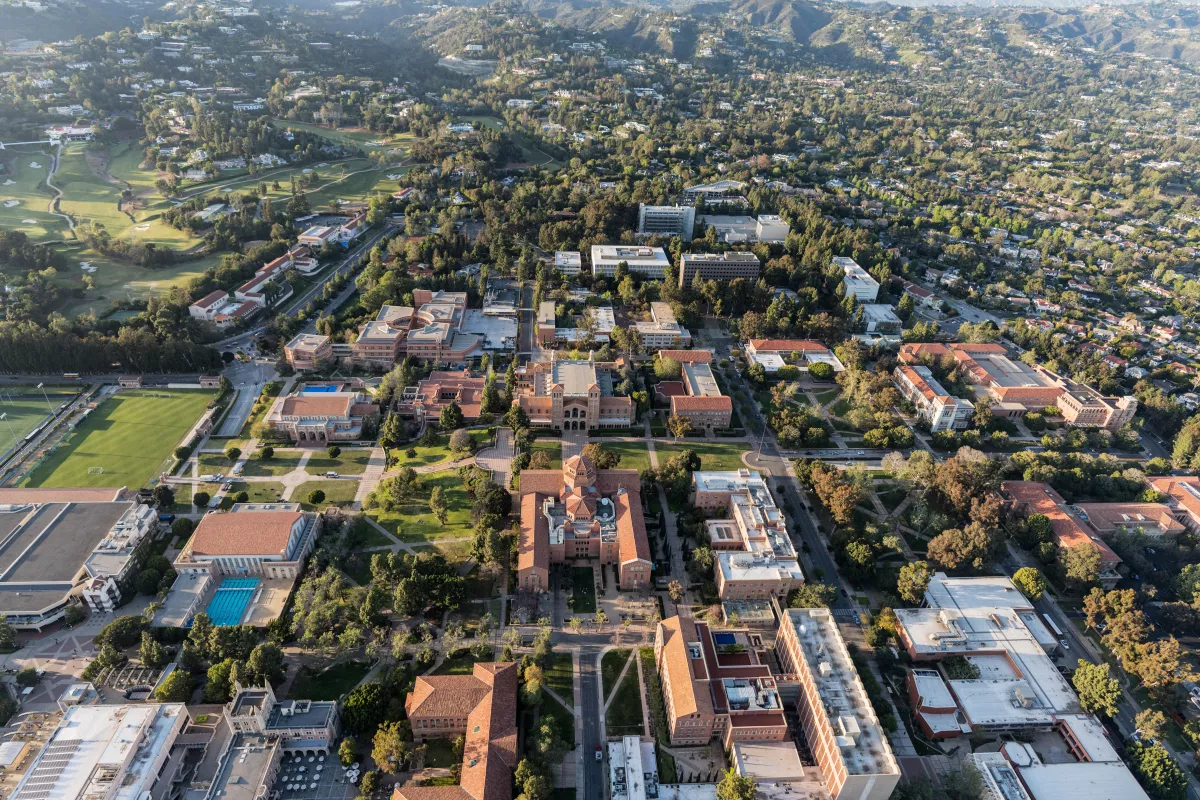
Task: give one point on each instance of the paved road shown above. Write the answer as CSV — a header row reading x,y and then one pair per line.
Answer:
x,y
248,378
528,321
592,777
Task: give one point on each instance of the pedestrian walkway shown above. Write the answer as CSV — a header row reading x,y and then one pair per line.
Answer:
x,y
498,457
371,476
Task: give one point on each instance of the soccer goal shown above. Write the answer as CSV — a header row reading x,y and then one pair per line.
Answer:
x,y
95,470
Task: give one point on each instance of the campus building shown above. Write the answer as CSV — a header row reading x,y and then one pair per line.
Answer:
x,y
482,708
66,546
857,282
772,354
568,262
881,318
716,685
582,512
106,752
1015,388
718,267
570,395
426,400
322,416
755,557
306,350
740,229
666,220
663,330
309,727
546,322
701,402
839,722
1035,497
650,262
431,332
1182,496
1018,772
940,410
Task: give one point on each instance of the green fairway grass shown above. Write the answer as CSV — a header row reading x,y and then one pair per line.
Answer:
x,y
32,197
130,435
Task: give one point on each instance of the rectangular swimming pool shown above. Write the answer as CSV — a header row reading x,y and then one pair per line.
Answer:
x,y
230,600
724,638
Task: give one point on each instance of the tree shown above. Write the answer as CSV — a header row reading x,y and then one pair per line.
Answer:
x,y
510,383
365,707
1150,723
954,548
516,419
913,580
176,688
437,504
821,371
679,426
601,456
122,632
387,747
27,677
736,787
200,499
151,652
460,441
1188,582
531,686
1157,771
348,751
451,417
1081,562
1030,581
163,496
666,368
316,497
75,614
1098,691
333,451
813,595
675,590
265,663
182,528
233,453
266,453
219,688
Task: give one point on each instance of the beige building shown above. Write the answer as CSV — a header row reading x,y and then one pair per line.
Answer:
x,y
702,403
840,726
306,350
718,267
572,395
322,416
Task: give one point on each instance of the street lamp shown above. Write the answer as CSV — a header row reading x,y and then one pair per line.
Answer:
x,y
49,407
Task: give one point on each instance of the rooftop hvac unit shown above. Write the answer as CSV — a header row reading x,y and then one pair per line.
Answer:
x,y
1021,699
825,668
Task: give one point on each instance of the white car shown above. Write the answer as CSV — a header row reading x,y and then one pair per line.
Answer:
x,y
1064,644
332,474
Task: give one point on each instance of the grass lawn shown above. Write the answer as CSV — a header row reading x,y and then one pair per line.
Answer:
x,y
583,592
610,668
440,753
892,498
259,491
130,436
329,684
349,462
713,455
624,715
214,463
31,197
436,453
564,718
841,408
339,493
551,446
560,676
414,522
480,586
348,138
23,412
827,396
283,462
183,498
461,663
634,455
373,538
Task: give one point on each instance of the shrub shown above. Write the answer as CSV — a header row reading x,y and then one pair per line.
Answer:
x,y
316,497
241,497
267,453
200,499
334,451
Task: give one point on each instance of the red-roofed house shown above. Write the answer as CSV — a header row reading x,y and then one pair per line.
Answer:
x,y
1034,497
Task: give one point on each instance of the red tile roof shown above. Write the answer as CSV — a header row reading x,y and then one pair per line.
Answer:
x,y
787,346
1035,497
257,533
721,403
687,356
317,406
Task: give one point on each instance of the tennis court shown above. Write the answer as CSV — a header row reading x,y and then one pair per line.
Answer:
x,y
230,600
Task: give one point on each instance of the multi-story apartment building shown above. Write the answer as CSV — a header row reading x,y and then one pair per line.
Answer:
x,y
935,406
381,342
300,726
840,726
574,395
652,262
755,557
306,350
582,512
669,220
857,282
716,685
718,267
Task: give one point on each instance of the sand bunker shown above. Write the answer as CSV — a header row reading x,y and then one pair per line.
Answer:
x,y
9,182
34,165
29,222
145,227
11,203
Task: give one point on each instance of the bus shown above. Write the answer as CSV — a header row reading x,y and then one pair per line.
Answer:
x,y
71,376
1050,624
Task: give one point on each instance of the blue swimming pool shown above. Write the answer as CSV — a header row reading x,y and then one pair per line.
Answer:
x,y
230,600
318,388
724,638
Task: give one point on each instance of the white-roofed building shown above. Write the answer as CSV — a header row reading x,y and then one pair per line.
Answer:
x,y
568,262
857,281
651,262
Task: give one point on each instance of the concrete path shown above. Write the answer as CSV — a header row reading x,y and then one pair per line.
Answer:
x,y
371,475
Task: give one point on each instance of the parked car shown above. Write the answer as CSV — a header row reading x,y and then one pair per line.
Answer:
x,y
332,474
599,753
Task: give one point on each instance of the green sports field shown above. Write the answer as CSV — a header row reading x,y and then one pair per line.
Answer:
x,y
24,411
130,435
